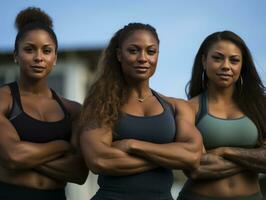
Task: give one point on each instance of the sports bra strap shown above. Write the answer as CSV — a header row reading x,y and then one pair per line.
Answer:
x,y
202,107
58,99
166,105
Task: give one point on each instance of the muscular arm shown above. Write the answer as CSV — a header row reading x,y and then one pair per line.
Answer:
x,y
184,153
70,167
214,167
102,158
17,154
252,159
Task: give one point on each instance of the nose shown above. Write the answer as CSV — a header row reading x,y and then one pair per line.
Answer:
x,y
226,65
142,57
38,57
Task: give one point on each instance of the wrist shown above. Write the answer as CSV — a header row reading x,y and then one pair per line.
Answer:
x,y
133,146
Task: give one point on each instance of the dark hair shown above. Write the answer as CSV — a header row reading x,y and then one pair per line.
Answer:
x,y
31,19
248,95
110,91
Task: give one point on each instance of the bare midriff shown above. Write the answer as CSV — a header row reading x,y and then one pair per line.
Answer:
x,y
242,184
29,178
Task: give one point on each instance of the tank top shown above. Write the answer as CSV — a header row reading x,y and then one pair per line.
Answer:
x,y
160,129
218,132
34,130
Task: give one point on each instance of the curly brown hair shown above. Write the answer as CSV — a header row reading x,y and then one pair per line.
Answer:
x,y
105,97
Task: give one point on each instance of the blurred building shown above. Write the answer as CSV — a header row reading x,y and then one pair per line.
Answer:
x,y
71,77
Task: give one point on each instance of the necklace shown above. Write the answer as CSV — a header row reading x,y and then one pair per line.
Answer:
x,y
144,98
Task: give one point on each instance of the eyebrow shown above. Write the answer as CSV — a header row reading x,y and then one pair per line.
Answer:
x,y
136,45
32,44
221,54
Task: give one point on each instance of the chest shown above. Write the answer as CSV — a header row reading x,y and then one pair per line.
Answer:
x,y
217,132
158,129
44,109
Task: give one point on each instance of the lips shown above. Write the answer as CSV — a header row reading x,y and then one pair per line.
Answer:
x,y
224,75
38,68
141,68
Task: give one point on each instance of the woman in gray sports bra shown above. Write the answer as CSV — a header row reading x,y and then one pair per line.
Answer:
x,y
230,111
129,134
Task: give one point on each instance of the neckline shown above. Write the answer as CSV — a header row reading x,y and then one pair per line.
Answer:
x,y
54,96
213,116
149,116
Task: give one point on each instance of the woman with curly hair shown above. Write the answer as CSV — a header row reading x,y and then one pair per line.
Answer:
x,y
36,140
131,135
230,110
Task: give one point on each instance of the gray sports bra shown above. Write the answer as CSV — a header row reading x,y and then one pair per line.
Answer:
x,y
217,132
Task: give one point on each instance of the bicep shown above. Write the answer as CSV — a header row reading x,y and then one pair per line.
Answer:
x,y
187,133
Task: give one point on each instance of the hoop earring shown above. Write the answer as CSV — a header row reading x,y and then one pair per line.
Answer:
x,y
240,84
203,79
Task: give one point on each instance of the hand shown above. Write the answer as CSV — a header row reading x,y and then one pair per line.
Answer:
x,y
220,151
123,145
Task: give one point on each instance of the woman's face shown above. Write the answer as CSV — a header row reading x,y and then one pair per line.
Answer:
x,y
36,54
223,64
138,55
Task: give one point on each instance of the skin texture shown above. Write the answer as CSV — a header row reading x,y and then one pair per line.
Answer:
x,y
37,165
225,171
138,56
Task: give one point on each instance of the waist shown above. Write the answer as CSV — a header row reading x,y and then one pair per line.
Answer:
x,y
157,180
242,184
9,191
29,179
193,195
130,195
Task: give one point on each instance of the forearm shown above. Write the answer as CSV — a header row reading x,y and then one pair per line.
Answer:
x,y
117,163
174,155
69,168
252,159
214,167
26,155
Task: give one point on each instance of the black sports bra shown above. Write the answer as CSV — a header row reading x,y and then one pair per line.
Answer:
x,y
34,130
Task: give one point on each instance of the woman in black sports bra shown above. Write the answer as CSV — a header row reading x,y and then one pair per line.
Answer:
x,y
36,141
132,136
230,107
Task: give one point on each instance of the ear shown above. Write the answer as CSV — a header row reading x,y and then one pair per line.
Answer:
x,y
203,61
55,60
15,57
118,54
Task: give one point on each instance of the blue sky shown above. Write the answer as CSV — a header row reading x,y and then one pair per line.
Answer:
x,y
181,25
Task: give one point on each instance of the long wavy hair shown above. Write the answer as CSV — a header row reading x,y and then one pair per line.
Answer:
x,y
249,93
101,107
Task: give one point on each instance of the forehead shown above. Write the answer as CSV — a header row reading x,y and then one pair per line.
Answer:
x,y
225,46
37,36
140,37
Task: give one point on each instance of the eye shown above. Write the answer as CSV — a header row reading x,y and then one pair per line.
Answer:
x,y
152,51
217,58
28,49
235,60
47,50
132,51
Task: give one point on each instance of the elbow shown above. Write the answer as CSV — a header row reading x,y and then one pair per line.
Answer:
x,y
13,161
194,161
98,166
81,180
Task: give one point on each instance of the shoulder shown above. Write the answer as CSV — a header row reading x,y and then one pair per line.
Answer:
x,y
194,103
177,103
72,107
5,99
